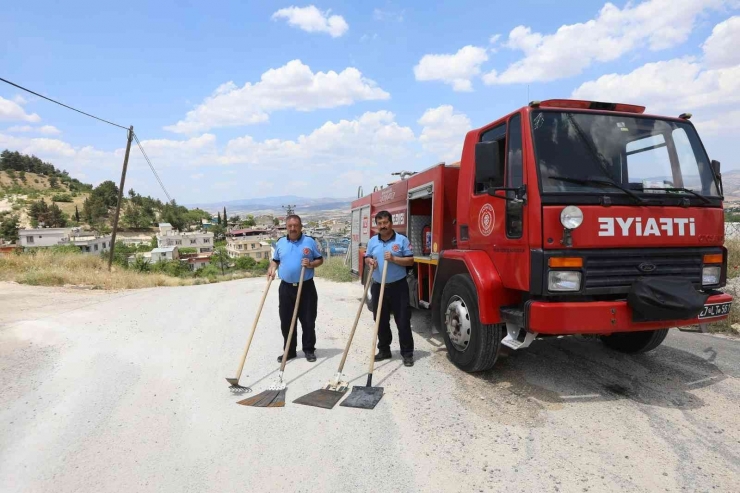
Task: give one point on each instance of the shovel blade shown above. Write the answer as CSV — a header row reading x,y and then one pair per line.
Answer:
x,y
322,398
268,398
363,397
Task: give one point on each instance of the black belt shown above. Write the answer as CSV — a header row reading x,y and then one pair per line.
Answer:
x,y
403,279
295,284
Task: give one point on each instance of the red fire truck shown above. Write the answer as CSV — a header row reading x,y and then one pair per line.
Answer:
x,y
564,217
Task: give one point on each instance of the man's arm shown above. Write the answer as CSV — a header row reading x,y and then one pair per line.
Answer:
x,y
272,269
402,261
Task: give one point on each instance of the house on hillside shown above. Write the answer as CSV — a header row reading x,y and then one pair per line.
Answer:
x,y
196,261
87,241
168,237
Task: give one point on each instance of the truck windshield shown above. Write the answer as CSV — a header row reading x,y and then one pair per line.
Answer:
x,y
644,155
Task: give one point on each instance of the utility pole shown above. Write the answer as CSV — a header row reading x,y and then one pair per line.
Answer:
x,y
120,196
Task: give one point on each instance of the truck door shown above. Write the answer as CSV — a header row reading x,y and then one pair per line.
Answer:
x,y
496,224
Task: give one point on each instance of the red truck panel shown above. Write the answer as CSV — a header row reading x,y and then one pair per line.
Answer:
x,y
630,227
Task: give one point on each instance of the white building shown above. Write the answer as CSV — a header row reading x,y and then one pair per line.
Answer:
x,y
255,247
168,237
87,241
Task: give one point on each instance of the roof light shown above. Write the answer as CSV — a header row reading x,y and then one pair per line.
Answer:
x,y
590,105
685,116
534,104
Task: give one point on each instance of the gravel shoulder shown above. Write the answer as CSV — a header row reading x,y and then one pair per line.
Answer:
x,y
125,391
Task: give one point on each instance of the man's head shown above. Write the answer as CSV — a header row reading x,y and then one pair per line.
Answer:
x,y
295,226
384,222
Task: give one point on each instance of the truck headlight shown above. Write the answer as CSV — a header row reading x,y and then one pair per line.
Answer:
x,y
571,217
564,280
710,275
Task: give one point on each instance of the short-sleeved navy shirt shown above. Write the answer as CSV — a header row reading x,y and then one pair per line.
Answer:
x,y
289,255
399,246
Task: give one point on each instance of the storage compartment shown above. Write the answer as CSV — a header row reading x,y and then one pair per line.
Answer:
x,y
420,226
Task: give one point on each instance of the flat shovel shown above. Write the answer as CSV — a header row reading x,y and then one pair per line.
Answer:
x,y
333,391
368,396
234,382
274,396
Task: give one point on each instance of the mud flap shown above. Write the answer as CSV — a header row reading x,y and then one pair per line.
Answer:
x,y
654,299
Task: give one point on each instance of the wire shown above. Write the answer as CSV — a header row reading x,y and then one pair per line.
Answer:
x,y
152,168
62,104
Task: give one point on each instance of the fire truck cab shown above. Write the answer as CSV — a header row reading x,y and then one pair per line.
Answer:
x,y
564,217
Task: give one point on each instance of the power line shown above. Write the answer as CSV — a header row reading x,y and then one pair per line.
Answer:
x,y
62,104
152,168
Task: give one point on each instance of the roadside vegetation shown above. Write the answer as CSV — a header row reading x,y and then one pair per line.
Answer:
x,y
66,265
334,269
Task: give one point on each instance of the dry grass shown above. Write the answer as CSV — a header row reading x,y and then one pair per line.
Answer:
x,y
47,268
334,269
733,272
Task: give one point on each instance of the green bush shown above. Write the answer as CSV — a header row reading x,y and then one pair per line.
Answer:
x,y
66,249
245,263
61,197
334,270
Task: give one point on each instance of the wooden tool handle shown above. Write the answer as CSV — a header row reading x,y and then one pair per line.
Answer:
x,y
254,327
292,322
357,318
377,321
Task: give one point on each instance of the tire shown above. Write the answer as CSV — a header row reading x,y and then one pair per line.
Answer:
x,y
635,342
484,341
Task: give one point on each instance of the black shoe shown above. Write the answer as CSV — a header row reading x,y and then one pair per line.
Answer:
x,y
383,355
408,360
310,356
280,358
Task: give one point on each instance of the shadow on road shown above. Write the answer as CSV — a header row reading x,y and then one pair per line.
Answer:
x,y
581,370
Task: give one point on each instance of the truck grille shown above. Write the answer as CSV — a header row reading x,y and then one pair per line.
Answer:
x,y
615,272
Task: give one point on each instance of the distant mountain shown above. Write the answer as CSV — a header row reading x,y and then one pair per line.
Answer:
x,y
264,204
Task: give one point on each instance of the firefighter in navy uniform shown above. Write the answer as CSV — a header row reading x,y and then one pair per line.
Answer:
x,y
394,248
292,252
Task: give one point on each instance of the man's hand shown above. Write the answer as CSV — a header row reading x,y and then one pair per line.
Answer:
x,y
306,263
371,262
388,257
271,272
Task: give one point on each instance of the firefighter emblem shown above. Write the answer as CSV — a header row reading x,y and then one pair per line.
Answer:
x,y
306,251
396,248
486,219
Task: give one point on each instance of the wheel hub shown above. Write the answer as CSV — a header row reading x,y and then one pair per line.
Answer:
x,y
457,323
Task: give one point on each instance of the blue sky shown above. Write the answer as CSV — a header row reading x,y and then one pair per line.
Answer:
x,y
246,99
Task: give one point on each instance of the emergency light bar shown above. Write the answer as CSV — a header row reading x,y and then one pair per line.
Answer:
x,y
587,105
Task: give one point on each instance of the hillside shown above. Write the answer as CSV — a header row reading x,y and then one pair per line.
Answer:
x,y
18,189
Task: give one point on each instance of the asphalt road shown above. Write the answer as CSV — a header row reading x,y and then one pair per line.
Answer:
x,y
125,391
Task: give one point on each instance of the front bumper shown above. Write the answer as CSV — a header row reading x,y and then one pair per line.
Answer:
x,y
601,317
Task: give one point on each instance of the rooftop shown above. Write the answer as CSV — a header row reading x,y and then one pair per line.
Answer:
x,y
164,250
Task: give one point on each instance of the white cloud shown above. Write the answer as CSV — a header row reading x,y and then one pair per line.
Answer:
x,y
655,24
293,85
457,69
311,20
19,99
721,48
366,141
388,15
707,86
46,129
197,176
21,128
11,111
443,132
49,130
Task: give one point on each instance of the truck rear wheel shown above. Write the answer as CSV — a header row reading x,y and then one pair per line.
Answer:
x,y
471,345
635,342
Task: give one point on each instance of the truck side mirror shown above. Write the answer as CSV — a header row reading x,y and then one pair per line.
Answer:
x,y
489,170
715,168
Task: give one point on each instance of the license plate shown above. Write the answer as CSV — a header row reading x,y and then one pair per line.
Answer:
x,y
715,310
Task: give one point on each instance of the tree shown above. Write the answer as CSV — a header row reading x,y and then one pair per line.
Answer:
x,y
221,258
37,211
94,209
77,215
56,218
245,263
9,225
219,219
107,192
218,232
276,221
53,182
226,221
249,222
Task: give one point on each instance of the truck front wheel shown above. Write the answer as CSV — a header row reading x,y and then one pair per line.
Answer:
x,y
471,345
635,342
